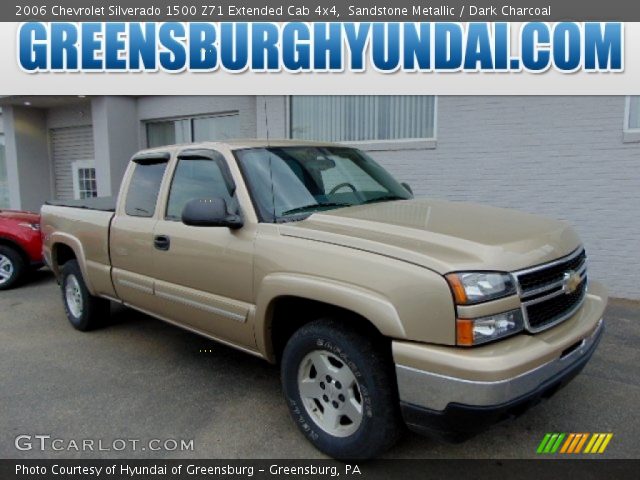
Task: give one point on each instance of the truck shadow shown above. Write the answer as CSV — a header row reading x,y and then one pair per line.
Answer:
x,y
39,277
188,345
198,370
213,366
143,378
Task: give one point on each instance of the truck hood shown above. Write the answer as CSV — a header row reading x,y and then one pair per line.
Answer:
x,y
442,236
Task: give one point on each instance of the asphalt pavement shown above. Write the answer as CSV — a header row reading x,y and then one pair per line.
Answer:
x,y
139,379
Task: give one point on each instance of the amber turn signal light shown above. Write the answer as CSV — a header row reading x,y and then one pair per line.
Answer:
x,y
464,332
459,293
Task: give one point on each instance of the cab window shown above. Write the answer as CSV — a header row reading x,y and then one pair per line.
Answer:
x,y
198,176
144,186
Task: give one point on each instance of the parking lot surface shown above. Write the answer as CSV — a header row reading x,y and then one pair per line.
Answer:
x,y
141,379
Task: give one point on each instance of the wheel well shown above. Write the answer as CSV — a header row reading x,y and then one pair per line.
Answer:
x,y
61,254
10,243
288,314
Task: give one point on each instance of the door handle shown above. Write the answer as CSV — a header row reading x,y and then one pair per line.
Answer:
x,y
162,242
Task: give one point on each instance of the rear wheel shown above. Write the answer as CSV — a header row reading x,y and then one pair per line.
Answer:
x,y
341,390
84,311
12,267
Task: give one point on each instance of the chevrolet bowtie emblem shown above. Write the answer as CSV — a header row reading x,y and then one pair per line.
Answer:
x,y
570,282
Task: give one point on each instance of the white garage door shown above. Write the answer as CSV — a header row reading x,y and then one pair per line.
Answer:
x,y
73,156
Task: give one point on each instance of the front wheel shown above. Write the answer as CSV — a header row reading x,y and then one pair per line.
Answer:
x,y
84,311
341,390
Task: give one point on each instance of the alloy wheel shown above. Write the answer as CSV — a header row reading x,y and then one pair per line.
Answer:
x,y
6,269
73,296
330,393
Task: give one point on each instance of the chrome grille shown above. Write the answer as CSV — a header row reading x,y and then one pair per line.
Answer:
x,y
552,292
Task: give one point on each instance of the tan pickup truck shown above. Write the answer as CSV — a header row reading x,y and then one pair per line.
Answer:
x,y
382,310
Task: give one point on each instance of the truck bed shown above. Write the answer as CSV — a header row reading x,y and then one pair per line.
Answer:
x,y
103,204
84,226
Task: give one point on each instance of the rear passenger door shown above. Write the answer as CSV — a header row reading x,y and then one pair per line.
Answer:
x,y
204,275
131,240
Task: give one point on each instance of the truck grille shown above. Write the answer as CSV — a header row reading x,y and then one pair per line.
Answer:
x,y
552,292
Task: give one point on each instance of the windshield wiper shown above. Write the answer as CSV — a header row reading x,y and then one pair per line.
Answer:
x,y
304,208
383,198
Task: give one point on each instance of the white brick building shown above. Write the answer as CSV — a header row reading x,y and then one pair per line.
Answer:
x,y
574,158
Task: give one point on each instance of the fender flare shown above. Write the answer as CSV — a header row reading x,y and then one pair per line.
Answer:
x,y
370,305
60,238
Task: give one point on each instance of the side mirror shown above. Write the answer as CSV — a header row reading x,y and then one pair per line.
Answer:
x,y
407,187
210,212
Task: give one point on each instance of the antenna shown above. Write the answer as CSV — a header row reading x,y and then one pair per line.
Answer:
x,y
273,193
266,119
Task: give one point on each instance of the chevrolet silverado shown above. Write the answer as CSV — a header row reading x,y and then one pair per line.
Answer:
x,y
381,310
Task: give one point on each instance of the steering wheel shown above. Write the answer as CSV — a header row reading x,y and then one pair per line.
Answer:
x,y
340,185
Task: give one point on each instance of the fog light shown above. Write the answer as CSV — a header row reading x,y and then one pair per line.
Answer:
x,y
485,329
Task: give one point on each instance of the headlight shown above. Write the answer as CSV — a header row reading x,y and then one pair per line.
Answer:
x,y
475,331
475,287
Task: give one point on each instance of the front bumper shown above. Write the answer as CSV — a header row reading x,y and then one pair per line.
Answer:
x,y
469,389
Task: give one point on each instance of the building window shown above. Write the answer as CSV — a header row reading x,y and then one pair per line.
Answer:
x,y
195,129
632,121
84,179
4,185
631,131
367,118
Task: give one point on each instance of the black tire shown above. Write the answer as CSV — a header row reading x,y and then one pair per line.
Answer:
x,y
370,362
14,262
93,311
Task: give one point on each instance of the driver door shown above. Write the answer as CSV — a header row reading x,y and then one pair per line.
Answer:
x,y
204,275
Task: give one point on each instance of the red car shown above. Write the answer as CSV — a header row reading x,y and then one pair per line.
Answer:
x,y
20,246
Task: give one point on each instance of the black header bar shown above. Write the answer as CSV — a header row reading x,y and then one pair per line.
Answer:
x,y
318,10
164,469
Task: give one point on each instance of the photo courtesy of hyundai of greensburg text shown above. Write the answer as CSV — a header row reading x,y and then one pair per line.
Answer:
x,y
307,239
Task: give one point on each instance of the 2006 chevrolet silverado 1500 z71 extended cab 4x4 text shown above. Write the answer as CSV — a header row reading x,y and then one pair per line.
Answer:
x,y
380,308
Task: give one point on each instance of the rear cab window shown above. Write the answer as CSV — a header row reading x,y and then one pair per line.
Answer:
x,y
144,186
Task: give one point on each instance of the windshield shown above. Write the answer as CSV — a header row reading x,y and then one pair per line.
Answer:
x,y
290,183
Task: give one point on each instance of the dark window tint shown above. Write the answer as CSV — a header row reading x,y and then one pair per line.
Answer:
x,y
144,188
194,179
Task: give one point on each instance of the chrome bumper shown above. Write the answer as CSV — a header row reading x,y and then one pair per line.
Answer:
x,y
434,392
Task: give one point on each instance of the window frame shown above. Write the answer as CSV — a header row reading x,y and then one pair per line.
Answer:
x,y
189,118
630,135
427,143
76,166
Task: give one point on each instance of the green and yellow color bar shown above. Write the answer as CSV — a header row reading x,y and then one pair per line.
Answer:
x,y
573,443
